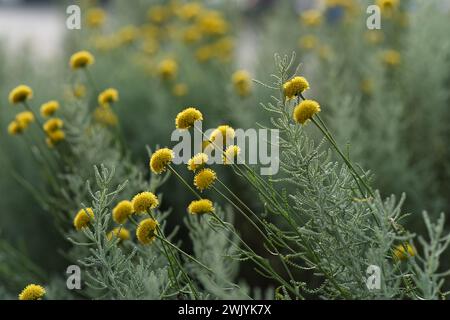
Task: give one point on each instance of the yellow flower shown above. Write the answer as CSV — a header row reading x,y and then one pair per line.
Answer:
x,y
295,87
231,154
403,252
242,82
14,128
95,17
49,108
201,206
127,35
197,162
212,23
81,59
191,34
308,42
180,90
53,137
53,124
223,48
167,69
305,110
158,14
161,159
311,18
119,232
83,218
144,201
108,96
204,179
186,118
24,119
32,292
122,211
391,58
105,115
388,5
189,10
146,231
224,132
20,94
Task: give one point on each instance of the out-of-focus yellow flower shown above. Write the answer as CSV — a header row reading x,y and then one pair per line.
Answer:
x,y
122,211
20,93
189,11
231,154
388,6
128,34
186,118
81,59
146,231
311,17
204,179
305,110
14,128
223,133
212,23
374,36
53,124
158,14
25,118
95,17
391,58
223,48
144,201
105,115
403,252
108,96
168,68
192,34
308,42
180,90
197,162
54,137
201,206
120,232
204,53
49,108
32,292
295,87
242,82
83,218
160,159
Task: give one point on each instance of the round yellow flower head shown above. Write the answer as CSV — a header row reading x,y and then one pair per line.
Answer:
x,y
146,231
128,34
197,162
32,292
242,82
201,206
167,69
119,232
122,211
186,118
25,118
14,128
224,132
20,94
105,116
144,201
192,34
212,23
53,124
49,108
308,42
81,59
189,10
391,58
204,179
305,110
388,5
403,252
231,154
295,87
108,96
83,218
95,17
311,18
53,137
180,90
161,159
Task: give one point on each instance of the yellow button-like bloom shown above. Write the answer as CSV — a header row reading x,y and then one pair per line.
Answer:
x,y
186,118
311,18
391,58
53,137
108,96
180,90
388,5
49,108
122,211
403,252
242,82
146,231
127,35
204,179
95,17
224,133
295,87
105,116
144,201
161,159
83,218
305,110
189,10
25,118
167,69
201,206
197,162
14,128
231,154
119,232
81,59
212,23
20,94
32,292
53,124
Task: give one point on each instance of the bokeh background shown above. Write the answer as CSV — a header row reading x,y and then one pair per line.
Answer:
x,y
385,93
